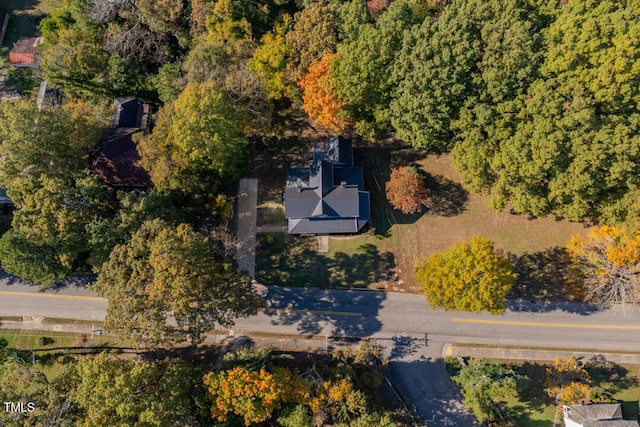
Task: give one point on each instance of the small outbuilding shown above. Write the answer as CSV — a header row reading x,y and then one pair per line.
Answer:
x,y
25,52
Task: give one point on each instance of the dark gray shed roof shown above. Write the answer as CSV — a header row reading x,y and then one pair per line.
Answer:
x,y
337,150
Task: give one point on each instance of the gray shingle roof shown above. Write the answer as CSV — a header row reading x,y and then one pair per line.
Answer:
x,y
598,415
329,196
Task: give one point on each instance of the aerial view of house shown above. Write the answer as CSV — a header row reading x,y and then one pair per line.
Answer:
x,y
328,197
320,213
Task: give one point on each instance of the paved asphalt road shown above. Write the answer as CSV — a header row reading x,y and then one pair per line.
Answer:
x,y
398,321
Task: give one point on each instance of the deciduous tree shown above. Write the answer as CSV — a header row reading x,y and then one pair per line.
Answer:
x,y
361,71
111,391
44,171
610,261
406,191
318,95
270,59
54,214
471,276
434,75
54,142
25,382
254,395
132,211
314,35
197,144
483,383
568,381
165,286
35,263
556,138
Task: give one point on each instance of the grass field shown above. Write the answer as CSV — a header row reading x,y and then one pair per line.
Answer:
x,y
295,261
45,341
535,246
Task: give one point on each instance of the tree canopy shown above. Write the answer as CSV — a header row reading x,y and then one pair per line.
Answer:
x,y
482,383
471,276
567,143
197,144
112,391
568,381
406,191
54,142
44,171
361,71
319,97
165,286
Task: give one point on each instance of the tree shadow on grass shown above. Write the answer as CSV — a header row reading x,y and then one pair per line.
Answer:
x,y
366,266
611,377
547,280
448,198
295,261
532,392
520,412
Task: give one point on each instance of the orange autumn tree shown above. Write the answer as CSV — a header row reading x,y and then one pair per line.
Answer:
x,y
318,95
406,191
253,395
609,258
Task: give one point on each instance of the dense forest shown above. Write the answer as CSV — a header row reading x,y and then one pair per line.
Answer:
x,y
536,101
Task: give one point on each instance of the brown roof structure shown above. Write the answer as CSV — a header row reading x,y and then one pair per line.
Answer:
x,y
116,161
25,52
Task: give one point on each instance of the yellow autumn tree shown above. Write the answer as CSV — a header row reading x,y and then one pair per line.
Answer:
x,y
568,381
609,258
318,95
471,276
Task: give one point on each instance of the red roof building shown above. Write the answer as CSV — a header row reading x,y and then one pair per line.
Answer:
x,y
25,52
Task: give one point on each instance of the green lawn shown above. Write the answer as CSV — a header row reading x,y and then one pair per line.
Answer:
x,y
20,339
295,261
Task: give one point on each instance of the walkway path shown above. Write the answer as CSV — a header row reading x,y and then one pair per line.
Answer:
x,y
247,212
